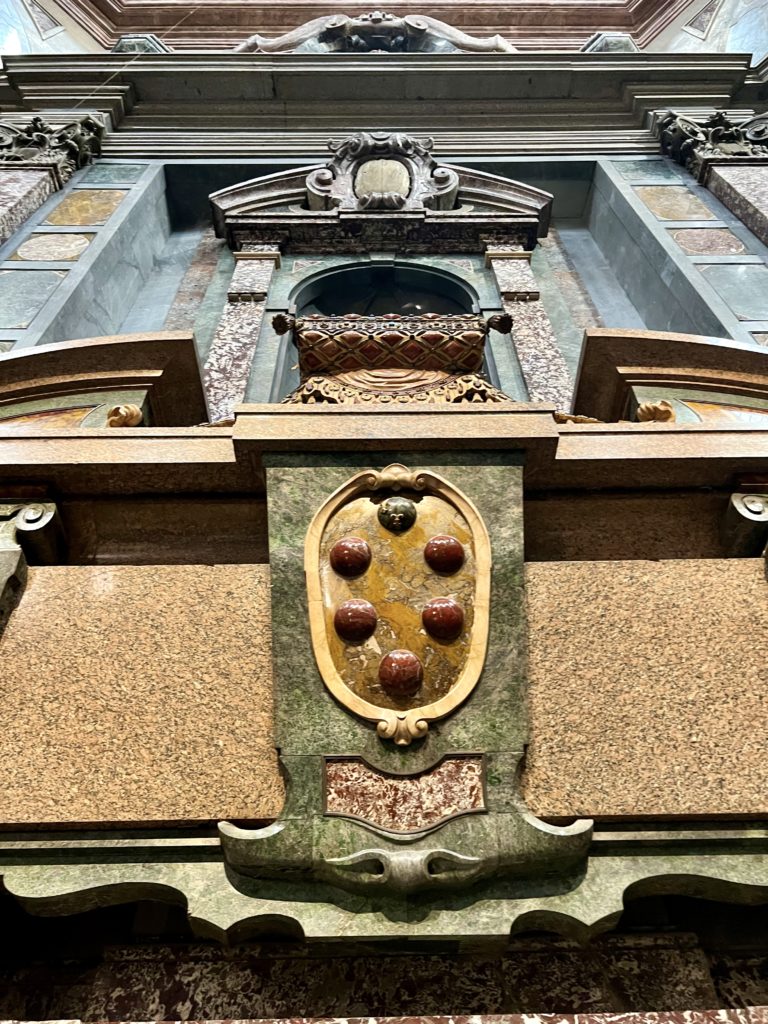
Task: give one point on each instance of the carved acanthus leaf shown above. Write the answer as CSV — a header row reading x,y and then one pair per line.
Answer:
x,y
65,148
695,143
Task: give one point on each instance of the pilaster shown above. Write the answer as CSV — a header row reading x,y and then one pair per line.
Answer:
x,y
543,366
226,370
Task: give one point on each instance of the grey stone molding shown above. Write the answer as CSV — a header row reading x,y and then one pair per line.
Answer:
x,y
374,32
64,148
697,143
610,42
529,105
140,42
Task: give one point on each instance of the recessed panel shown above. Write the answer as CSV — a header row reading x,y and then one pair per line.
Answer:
x,y
23,293
86,206
58,246
673,202
708,241
744,287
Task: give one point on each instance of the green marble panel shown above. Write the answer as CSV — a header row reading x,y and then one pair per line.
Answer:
x,y
114,174
308,718
644,170
23,293
743,286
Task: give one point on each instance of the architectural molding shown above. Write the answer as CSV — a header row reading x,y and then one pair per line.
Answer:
x,y
245,102
429,206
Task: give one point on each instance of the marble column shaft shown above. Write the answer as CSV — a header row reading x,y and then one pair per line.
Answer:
x,y
543,366
226,371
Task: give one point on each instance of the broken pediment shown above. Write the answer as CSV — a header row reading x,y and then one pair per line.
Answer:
x,y
381,187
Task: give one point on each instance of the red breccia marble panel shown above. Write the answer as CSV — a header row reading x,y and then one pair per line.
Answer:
x,y
409,803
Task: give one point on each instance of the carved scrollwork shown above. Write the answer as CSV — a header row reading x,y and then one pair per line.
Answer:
x,y
695,143
375,32
125,416
65,149
415,180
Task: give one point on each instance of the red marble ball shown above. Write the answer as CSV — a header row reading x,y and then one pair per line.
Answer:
x,y
401,673
444,554
350,557
355,621
443,618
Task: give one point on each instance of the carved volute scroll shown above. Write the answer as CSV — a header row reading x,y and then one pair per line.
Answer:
x,y
398,569
696,143
64,148
375,32
382,171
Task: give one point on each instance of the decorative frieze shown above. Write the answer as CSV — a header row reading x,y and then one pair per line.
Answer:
x,y
357,359
698,143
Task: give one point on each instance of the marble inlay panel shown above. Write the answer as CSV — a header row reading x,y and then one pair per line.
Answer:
x,y
639,169
744,287
21,193
48,418
114,174
23,293
761,337
708,241
404,803
53,247
673,202
515,277
86,206
6,346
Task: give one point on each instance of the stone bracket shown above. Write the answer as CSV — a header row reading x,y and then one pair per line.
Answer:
x,y
27,530
744,527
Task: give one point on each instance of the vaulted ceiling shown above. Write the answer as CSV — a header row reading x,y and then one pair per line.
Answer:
x,y
222,24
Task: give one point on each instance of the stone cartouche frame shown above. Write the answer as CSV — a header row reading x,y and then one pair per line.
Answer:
x,y
401,726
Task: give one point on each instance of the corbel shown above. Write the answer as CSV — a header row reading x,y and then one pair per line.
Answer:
x,y
30,532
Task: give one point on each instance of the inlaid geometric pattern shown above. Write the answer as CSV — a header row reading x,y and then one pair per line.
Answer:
x,y
335,344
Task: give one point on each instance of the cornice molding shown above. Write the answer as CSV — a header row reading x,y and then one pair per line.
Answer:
x,y
214,105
